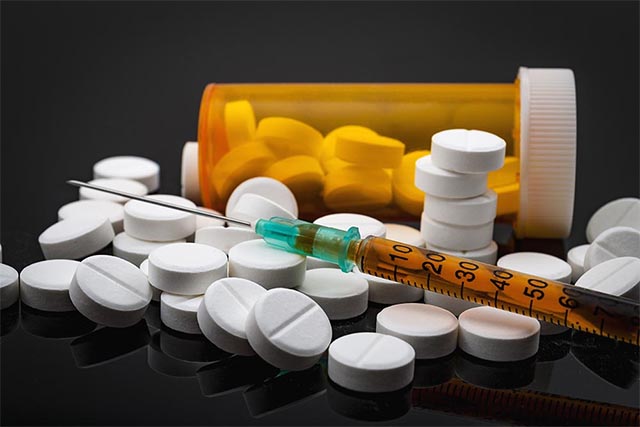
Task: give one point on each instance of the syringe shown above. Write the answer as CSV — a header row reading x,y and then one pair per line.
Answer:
x,y
546,300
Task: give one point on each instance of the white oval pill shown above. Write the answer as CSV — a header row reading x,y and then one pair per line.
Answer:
x,y
575,258
224,238
45,284
470,211
430,330
617,213
456,306
155,292
617,276
467,151
288,329
371,362
367,225
135,250
9,286
488,254
156,223
223,313
119,184
205,221
189,172
110,291
497,335
255,260
94,208
443,183
456,237
613,243
76,237
186,268
270,188
404,234
383,291
340,295
179,312
251,207
136,168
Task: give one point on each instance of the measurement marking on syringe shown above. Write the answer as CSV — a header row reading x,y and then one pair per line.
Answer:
x,y
395,273
530,308
495,300
601,326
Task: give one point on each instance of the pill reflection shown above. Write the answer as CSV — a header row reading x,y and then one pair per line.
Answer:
x,y
167,365
233,374
49,324
369,406
497,375
152,316
9,319
429,373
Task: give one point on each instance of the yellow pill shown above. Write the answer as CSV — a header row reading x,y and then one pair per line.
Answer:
x,y
329,145
239,123
354,188
406,195
508,174
288,137
238,165
302,174
373,151
508,199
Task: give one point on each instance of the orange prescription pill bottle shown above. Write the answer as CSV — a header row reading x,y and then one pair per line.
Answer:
x,y
345,147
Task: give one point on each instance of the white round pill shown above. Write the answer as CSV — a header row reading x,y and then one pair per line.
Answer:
x,y
110,291
367,225
488,254
76,237
223,313
456,306
155,292
613,243
9,286
45,284
270,267
575,258
138,169
224,238
470,211
497,335
178,312
430,330
186,268
383,291
617,276
251,207
340,295
135,250
467,151
206,221
537,264
404,234
371,362
119,184
457,237
617,213
270,188
443,183
189,172
157,223
288,329
313,263
94,208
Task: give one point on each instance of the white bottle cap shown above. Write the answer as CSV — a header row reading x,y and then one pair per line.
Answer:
x,y
189,178
547,152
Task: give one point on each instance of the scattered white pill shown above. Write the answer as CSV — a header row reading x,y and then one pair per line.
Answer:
x,y
288,329
383,291
205,221
340,295
155,292
270,188
371,362
120,184
456,306
430,330
135,250
94,208
186,268
575,258
488,254
617,276
76,237
138,169
367,225
613,243
270,267
9,286
313,263
443,183
470,211
223,313
458,237
251,207
189,172
467,151
45,284
617,213
224,238
404,234
179,312
110,291
150,222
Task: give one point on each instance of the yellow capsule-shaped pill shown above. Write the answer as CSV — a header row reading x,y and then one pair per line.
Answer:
x,y
357,189
506,175
508,199
239,123
302,174
373,151
406,195
246,161
328,156
288,137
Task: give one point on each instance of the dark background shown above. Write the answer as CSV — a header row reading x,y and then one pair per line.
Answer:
x,y
84,81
